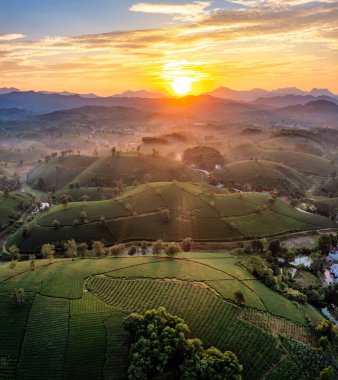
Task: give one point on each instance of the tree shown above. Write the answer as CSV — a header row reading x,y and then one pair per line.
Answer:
x,y
210,364
65,200
275,247
187,245
324,244
257,246
203,157
83,216
158,247
173,249
14,252
48,251
326,374
144,248
132,250
19,296
25,230
32,259
117,249
70,247
239,297
158,336
83,249
85,198
326,328
165,215
160,350
12,265
103,221
317,262
56,224
98,248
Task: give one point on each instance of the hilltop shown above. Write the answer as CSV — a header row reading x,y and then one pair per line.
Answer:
x,y
261,175
59,172
168,211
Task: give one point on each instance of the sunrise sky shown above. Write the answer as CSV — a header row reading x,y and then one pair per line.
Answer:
x,y
109,46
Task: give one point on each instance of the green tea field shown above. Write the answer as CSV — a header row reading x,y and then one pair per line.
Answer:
x,y
74,310
169,211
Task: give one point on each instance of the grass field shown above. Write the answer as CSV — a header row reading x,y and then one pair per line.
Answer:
x,y
139,214
74,310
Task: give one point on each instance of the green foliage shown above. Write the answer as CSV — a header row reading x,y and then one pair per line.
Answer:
x,y
159,338
158,246
117,249
326,374
98,248
312,361
324,244
203,157
71,248
159,344
187,244
173,249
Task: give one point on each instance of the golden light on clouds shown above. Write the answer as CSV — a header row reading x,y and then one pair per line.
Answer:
x,y
183,77
259,46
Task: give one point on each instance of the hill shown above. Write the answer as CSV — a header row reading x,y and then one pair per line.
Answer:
x,y
328,187
305,163
261,175
28,152
106,171
57,172
292,100
75,309
11,208
168,211
323,113
293,143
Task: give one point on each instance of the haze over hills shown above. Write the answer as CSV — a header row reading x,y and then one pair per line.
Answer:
x,y
251,95
320,112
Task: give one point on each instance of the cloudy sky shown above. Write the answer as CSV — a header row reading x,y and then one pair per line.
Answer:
x,y
108,46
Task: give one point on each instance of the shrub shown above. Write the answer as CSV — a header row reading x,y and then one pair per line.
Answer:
x,y
117,249
98,248
187,244
173,249
158,246
132,250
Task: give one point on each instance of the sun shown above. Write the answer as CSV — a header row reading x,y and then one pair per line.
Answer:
x,y
181,85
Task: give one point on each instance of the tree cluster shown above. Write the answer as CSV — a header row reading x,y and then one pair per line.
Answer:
x,y
161,349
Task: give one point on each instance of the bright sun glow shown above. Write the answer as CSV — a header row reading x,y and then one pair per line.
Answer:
x,y
182,85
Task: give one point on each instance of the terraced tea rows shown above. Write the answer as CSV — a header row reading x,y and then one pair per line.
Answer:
x,y
44,345
61,321
216,325
168,211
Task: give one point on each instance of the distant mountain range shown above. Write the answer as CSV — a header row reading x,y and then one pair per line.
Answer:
x,y
292,100
319,111
140,94
251,95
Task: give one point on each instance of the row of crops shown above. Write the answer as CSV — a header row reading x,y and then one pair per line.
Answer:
x,y
44,345
209,317
71,323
